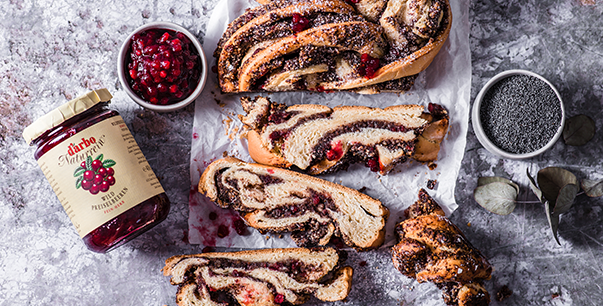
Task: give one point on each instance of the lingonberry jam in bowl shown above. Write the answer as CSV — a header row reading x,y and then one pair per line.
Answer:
x,y
162,66
518,114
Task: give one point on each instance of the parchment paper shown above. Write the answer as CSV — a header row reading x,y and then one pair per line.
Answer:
x,y
218,132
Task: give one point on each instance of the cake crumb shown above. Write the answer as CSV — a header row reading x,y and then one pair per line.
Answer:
x,y
503,293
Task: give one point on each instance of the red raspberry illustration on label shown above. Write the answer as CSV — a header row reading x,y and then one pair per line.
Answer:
x,y
95,175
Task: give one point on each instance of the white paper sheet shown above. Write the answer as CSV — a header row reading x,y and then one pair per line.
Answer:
x,y
217,132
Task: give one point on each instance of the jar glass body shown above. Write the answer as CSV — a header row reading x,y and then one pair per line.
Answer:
x,y
130,223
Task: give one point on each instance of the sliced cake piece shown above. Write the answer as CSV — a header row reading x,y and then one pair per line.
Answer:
x,y
259,277
317,138
278,200
432,249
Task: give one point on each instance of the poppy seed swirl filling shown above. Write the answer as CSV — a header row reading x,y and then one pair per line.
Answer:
x,y
317,139
309,214
260,277
274,200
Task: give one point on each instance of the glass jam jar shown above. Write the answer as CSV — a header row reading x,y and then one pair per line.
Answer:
x,y
97,171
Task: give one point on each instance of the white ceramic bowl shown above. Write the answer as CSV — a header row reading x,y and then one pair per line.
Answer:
x,y
477,123
124,54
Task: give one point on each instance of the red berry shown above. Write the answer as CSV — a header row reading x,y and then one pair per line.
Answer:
x,y
279,298
96,164
97,179
102,171
331,155
176,45
111,180
110,171
86,184
94,189
164,37
88,175
83,165
373,164
166,65
300,23
104,186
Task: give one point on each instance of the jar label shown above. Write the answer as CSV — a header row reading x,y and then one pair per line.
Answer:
x,y
99,173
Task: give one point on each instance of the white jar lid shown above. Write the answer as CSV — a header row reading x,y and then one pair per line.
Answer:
x,y
64,112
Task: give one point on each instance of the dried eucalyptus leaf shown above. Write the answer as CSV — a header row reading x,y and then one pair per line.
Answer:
x,y
566,197
535,188
553,220
592,188
552,179
496,197
491,179
578,130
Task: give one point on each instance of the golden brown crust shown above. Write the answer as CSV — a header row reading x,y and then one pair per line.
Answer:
x,y
410,65
415,31
431,248
261,154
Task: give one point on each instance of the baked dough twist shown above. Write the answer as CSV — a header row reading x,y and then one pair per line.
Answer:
x,y
432,249
330,45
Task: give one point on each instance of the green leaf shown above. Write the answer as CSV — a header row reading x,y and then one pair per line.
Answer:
x,y
497,197
566,197
89,163
490,179
552,179
79,171
535,188
100,157
592,188
578,130
553,220
78,182
109,163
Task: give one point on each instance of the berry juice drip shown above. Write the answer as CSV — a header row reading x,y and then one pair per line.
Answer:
x,y
98,176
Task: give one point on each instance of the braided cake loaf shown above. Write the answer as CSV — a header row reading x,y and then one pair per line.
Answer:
x,y
277,200
328,45
316,138
265,277
432,249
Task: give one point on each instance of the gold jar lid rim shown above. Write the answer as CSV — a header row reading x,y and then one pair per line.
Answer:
x,y
68,110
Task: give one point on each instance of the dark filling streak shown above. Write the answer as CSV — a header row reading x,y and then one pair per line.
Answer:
x,y
278,28
228,195
280,135
415,42
324,144
317,202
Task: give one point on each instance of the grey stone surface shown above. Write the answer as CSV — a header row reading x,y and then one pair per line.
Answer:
x,y
52,51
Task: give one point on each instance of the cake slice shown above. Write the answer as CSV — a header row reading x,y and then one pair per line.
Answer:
x,y
432,249
259,277
316,138
278,200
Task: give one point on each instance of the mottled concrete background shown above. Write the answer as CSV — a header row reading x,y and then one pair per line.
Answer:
x,y
52,51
